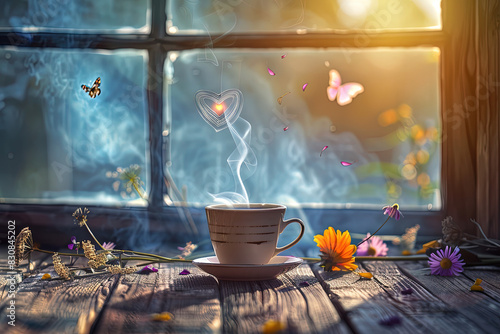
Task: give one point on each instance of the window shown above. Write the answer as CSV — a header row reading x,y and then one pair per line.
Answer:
x,y
62,16
388,133
154,58
61,145
383,145
300,16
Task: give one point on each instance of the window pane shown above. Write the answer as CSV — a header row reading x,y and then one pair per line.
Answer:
x,y
57,143
301,16
386,137
110,16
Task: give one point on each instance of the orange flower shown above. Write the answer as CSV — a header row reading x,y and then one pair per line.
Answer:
x,y
336,250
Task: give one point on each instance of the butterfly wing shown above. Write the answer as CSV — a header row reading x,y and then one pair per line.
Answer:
x,y
94,90
335,79
348,91
332,93
334,82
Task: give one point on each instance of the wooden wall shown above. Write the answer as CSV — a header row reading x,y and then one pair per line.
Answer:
x,y
488,120
470,113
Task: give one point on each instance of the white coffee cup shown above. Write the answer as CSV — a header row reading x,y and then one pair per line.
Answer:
x,y
248,233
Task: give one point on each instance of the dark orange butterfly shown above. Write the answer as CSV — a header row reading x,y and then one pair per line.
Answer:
x,y
94,90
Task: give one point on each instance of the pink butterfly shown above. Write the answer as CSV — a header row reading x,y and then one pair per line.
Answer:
x,y
344,93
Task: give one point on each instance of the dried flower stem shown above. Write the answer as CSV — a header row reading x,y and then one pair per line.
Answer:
x,y
149,256
365,240
147,263
146,257
139,190
51,252
166,259
484,235
93,237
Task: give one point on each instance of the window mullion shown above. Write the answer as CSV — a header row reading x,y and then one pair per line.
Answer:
x,y
351,40
155,104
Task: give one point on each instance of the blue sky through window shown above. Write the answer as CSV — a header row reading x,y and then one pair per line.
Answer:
x,y
389,132
58,144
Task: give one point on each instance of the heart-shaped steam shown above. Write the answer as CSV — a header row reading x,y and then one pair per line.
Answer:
x,y
219,109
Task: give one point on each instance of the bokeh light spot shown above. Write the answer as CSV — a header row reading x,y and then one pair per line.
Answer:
x,y
393,190
423,179
417,133
410,159
432,133
409,171
172,30
405,111
388,117
355,8
422,157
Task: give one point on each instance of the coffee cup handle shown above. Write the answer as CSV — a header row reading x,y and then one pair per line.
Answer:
x,y
283,226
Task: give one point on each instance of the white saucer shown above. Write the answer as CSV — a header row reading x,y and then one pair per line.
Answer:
x,y
247,272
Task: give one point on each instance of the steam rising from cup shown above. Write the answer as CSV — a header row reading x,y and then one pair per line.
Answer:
x,y
243,158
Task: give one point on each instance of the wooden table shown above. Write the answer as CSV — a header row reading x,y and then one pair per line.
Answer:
x,y
329,303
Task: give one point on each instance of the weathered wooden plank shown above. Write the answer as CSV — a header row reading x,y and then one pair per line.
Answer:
x,y
247,306
480,309
7,276
489,275
367,302
192,299
58,306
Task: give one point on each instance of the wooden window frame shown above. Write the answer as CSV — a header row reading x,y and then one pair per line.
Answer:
x,y
469,43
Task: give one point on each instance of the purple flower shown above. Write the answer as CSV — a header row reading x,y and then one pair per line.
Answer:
x,y
185,272
393,211
108,245
73,243
373,247
390,321
444,262
148,269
